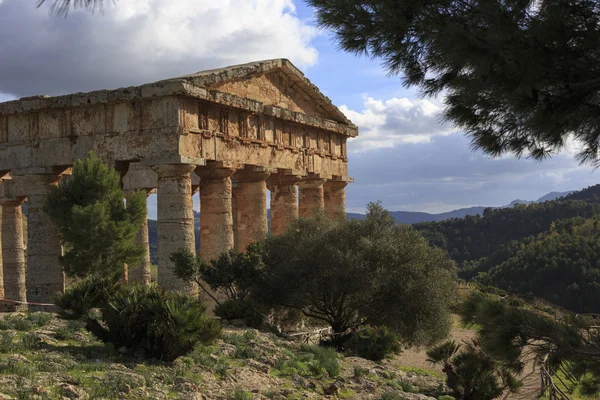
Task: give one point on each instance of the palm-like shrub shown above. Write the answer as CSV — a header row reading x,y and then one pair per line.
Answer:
x,y
163,325
471,373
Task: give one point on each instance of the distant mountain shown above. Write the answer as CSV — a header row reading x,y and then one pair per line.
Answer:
x,y
554,195
410,217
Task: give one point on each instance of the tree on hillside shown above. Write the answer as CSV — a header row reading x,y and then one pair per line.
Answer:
x,y
97,230
519,76
354,273
560,266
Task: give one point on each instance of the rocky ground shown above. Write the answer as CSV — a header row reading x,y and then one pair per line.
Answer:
x,y
42,357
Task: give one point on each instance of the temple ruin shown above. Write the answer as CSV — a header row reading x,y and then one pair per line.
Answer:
x,y
231,133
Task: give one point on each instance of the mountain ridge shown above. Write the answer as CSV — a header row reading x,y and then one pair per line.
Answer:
x,y
414,217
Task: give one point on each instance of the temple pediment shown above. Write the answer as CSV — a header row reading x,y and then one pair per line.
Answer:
x,y
274,82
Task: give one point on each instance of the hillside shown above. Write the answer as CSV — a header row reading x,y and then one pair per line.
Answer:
x,y
561,266
43,357
544,249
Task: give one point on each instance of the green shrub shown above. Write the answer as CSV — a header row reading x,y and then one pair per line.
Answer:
x,y
327,357
39,319
392,396
445,397
30,341
69,331
6,342
312,361
359,372
240,394
373,343
406,386
240,309
164,325
242,343
472,373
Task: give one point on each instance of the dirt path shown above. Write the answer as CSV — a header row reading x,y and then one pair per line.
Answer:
x,y
417,358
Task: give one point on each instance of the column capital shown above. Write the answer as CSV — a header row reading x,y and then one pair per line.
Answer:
x,y
252,173
12,201
173,170
311,183
209,173
335,185
280,179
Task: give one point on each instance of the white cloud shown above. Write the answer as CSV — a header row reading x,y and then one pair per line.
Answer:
x,y
386,124
139,41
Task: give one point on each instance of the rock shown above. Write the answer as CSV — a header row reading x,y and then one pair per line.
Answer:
x,y
73,392
258,366
126,380
298,380
186,387
226,349
18,358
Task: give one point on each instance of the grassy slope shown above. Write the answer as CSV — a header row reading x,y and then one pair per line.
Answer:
x,y
43,357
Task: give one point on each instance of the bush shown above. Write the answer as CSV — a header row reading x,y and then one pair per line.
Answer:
x,y
240,309
472,373
446,398
373,343
312,361
344,273
231,275
163,325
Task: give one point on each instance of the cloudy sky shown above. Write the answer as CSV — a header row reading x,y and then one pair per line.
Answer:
x,y
403,156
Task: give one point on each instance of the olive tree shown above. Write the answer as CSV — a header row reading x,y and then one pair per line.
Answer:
x,y
355,273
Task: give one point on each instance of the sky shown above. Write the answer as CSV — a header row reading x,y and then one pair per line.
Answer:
x,y
403,156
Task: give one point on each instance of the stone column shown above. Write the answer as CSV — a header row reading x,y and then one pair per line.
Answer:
x,y
335,199
13,255
141,273
45,275
250,206
175,221
311,198
216,219
284,201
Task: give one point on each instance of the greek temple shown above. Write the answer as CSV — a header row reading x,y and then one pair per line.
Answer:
x,y
232,134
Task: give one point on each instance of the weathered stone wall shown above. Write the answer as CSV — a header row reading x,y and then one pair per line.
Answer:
x,y
230,133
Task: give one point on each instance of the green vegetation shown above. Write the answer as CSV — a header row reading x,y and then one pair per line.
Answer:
x,y
373,343
560,266
511,329
472,374
356,273
312,361
137,317
97,230
545,250
231,275
490,235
